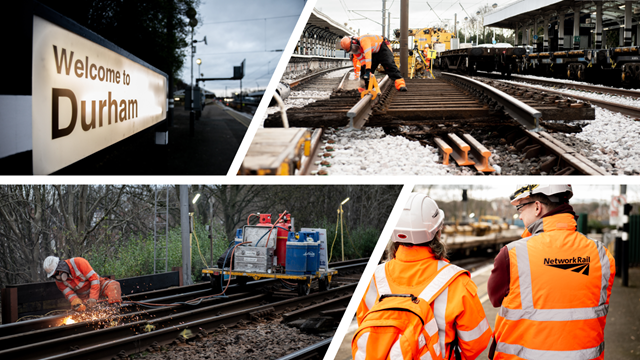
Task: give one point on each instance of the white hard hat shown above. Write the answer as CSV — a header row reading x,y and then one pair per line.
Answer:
x,y
420,220
50,265
555,193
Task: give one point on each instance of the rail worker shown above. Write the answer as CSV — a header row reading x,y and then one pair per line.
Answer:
x,y
418,256
553,285
356,65
427,59
80,284
371,51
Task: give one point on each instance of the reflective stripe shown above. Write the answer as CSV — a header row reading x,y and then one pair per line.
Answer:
x,y
361,354
524,274
396,352
443,277
372,295
439,311
532,354
367,60
75,268
91,273
604,269
65,291
421,341
431,327
426,356
80,285
85,292
475,333
67,284
104,284
70,298
381,280
529,312
368,49
555,314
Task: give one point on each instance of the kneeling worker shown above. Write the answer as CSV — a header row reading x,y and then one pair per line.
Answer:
x,y
371,51
80,284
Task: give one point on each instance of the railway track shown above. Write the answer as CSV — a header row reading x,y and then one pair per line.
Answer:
x,y
559,86
442,113
135,329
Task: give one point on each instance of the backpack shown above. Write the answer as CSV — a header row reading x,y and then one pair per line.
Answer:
x,y
403,326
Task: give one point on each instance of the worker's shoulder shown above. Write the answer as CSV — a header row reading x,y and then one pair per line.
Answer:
x,y
463,283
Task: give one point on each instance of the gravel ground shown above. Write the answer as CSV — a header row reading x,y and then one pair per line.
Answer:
x,y
246,341
610,141
302,98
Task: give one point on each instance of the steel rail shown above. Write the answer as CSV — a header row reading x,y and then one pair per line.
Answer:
x,y
586,87
140,341
315,351
521,112
359,113
56,332
623,109
60,345
311,76
52,322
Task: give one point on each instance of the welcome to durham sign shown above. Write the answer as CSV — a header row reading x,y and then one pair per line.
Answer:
x,y
86,97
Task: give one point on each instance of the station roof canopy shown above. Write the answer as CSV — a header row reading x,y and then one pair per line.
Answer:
x,y
524,11
322,21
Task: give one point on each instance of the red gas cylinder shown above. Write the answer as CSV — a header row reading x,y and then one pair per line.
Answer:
x,y
281,244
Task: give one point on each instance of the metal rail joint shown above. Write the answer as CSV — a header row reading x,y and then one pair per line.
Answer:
x,y
521,112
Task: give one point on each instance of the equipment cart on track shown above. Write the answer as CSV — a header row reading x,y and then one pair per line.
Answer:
x,y
302,282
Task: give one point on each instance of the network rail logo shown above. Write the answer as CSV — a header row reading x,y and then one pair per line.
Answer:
x,y
576,264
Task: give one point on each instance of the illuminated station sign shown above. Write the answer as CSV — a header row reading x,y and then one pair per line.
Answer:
x,y
86,97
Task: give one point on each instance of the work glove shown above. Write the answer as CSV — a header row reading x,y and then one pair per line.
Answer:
x,y
365,76
77,305
91,303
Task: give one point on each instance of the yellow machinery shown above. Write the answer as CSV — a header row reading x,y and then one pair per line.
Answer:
x,y
420,38
277,151
489,224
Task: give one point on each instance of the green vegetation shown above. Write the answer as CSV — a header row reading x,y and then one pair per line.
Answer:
x,y
136,257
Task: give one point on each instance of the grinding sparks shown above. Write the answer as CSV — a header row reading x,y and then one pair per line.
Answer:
x,y
68,321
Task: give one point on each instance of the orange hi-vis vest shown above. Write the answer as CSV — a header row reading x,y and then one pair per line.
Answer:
x,y
560,283
457,309
82,280
369,44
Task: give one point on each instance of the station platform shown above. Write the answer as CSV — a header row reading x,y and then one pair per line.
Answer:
x,y
621,334
218,134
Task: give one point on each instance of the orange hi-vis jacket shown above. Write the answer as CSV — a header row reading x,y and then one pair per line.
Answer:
x,y
369,44
560,283
82,280
457,309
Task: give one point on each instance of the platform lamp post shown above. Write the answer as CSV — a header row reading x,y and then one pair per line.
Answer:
x,y
199,62
340,212
192,211
193,22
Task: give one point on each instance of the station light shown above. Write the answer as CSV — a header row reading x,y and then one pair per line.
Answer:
x,y
198,61
344,201
515,216
494,5
472,215
478,13
195,198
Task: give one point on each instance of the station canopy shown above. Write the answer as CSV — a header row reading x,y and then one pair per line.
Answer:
x,y
320,20
523,11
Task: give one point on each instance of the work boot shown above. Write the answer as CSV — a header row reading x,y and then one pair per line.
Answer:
x,y
403,89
